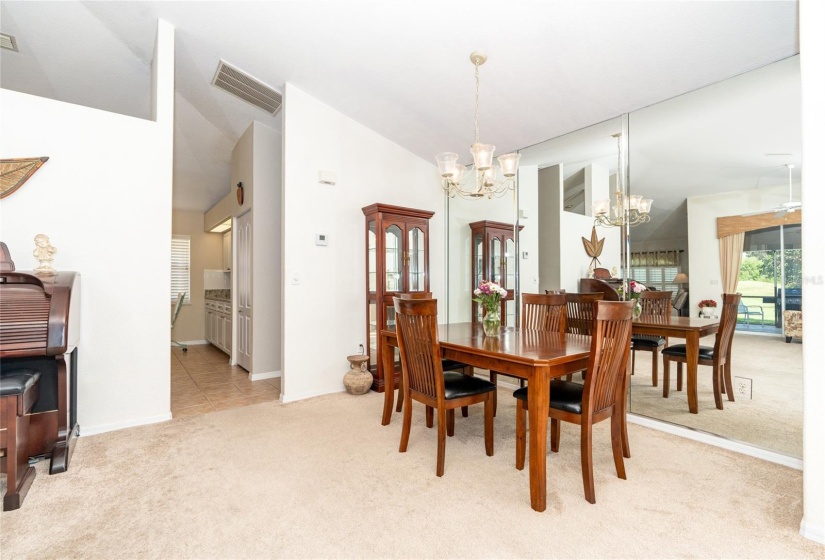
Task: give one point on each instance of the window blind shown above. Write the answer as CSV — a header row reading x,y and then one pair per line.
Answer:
x,y
180,267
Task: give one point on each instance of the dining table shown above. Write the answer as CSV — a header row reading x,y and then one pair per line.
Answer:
x,y
689,328
536,356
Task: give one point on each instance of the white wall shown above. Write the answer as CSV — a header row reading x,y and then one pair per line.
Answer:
x,y
266,251
705,271
107,177
324,313
812,39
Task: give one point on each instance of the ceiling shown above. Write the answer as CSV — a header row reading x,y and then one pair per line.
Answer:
x,y
399,67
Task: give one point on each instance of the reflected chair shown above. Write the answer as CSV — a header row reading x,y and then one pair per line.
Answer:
x,y
446,365
542,312
657,304
601,397
718,357
424,380
581,314
175,312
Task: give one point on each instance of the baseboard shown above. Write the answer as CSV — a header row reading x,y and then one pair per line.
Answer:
x,y
301,396
264,375
717,441
103,428
192,342
816,534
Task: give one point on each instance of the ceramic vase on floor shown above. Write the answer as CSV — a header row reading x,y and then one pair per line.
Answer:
x,y
358,380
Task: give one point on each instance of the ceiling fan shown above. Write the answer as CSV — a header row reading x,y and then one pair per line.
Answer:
x,y
792,205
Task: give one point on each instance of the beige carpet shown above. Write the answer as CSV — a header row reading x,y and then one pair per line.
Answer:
x,y
772,419
323,479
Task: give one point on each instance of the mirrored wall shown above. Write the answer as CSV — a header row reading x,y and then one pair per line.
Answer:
x,y
717,151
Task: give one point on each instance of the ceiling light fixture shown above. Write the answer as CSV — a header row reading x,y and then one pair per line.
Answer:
x,y
485,182
625,209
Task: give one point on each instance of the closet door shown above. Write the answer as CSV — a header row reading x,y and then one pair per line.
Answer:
x,y
244,287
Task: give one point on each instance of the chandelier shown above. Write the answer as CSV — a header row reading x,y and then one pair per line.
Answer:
x,y
624,209
485,179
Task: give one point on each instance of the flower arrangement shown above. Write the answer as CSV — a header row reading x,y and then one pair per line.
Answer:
x,y
489,295
707,303
636,288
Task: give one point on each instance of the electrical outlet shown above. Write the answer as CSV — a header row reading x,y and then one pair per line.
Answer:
x,y
743,387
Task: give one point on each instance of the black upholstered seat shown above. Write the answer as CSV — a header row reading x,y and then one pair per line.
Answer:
x,y
17,382
458,385
705,352
564,395
647,341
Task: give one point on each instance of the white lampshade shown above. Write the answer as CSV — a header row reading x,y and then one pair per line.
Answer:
x,y
482,155
509,164
635,200
458,172
446,163
600,207
489,175
644,205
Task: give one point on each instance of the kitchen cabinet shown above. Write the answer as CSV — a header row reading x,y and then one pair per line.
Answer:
x,y
219,324
397,245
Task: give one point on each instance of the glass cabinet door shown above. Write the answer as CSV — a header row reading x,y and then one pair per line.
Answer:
x,y
478,248
495,261
509,264
371,262
417,269
393,259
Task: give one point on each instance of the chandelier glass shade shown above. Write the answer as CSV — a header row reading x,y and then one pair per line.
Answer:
x,y
622,209
483,178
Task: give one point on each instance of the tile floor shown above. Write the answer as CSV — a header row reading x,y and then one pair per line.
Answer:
x,y
203,381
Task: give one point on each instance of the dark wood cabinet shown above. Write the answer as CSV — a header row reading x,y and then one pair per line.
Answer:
x,y
494,258
398,256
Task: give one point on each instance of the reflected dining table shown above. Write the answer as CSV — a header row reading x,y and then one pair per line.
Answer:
x,y
537,356
689,328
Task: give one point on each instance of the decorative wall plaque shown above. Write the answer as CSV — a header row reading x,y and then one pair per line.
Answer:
x,y
15,172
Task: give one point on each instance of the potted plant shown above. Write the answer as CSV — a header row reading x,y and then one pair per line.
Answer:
x,y
707,308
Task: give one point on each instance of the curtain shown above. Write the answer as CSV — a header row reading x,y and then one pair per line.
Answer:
x,y
656,258
730,260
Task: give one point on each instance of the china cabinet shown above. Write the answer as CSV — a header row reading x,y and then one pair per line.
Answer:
x,y
494,258
397,242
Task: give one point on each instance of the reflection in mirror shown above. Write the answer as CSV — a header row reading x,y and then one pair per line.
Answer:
x,y
721,152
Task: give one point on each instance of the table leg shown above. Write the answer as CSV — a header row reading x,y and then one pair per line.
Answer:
x,y
387,355
538,403
692,341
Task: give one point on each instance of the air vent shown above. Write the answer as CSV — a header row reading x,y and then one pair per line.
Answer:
x,y
8,42
242,85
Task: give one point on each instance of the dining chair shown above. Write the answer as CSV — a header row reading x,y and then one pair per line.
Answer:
x,y
542,312
446,365
718,356
656,304
424,380
601,397
580,315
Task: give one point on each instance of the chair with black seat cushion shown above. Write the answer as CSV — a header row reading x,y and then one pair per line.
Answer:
x,y
656,304
718,356
446,365
540,312
580,315
601,397
19,390
424,380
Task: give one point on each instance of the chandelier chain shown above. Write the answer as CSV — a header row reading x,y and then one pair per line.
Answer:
x,y
477,98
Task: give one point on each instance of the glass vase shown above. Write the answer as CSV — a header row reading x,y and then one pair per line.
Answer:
x,y
637,309
492,323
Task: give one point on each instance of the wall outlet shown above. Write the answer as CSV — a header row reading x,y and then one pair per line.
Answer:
x,y
742,387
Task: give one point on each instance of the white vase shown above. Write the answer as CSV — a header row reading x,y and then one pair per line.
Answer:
x,y
709,312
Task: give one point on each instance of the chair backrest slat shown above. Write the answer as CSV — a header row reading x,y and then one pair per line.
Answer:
x,y
727,325
655,302
544,312
581,311
416,321
609,350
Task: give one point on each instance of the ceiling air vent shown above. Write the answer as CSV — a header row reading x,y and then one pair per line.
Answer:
x,y
240,84
8,42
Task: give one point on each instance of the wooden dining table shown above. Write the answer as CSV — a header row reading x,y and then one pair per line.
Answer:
x,y
537,356
689,328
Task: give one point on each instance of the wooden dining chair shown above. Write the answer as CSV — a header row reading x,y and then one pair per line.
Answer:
x,y
601,397
424,380
657,304
542,312
718,356
581,314
446,365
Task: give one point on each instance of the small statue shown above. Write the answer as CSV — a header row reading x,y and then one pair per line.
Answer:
x,y
614,273
591,272
44,252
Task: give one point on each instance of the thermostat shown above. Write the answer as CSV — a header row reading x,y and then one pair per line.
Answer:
x,y
320,238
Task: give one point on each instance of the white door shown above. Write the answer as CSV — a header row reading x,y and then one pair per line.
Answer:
x,y
244,278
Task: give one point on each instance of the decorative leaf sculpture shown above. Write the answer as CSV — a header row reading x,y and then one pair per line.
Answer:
x,y
593,247
15,172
